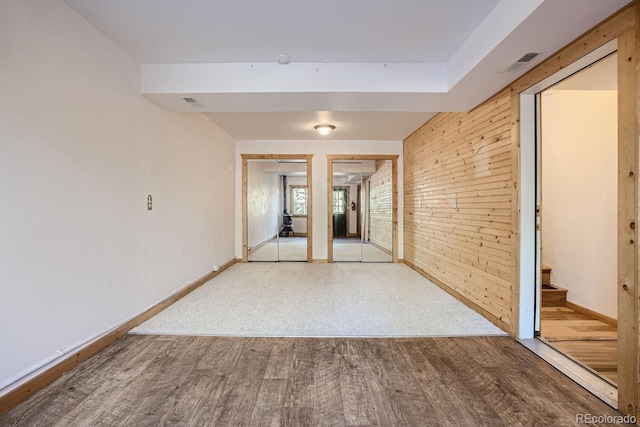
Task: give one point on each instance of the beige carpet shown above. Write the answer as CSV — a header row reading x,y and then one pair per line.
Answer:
x,y
319,300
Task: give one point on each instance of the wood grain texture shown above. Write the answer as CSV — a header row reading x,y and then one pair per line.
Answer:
x,y
592,314
586,340
601,356
177,380
32,386
474,157
514,135
381,228
628,132
554,297
460,298
458,201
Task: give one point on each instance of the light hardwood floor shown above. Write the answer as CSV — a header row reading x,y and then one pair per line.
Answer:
x,y
588,341
179,380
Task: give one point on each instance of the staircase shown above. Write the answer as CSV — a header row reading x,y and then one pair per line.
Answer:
x,y
552,295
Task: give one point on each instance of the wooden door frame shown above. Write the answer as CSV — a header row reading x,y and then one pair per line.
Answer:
x,y
624,27
394,192
245,161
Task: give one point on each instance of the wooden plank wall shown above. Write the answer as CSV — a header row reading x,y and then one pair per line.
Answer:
x,y
381,199
472,249
457,204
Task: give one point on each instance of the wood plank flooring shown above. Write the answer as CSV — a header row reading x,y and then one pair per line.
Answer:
x,y
206,381
590,342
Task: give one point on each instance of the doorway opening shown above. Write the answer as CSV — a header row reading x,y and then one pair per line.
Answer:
x,y
341,212
577,214
277,202
569,220
362,208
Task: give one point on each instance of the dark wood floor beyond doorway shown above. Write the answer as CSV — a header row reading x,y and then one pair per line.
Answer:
x,y
177,380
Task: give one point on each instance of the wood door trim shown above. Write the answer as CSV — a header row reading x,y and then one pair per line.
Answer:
x,y
628,130
623,26
394,190
245,234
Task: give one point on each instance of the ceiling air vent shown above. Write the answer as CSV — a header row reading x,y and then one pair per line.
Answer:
x,y
519,63
192,101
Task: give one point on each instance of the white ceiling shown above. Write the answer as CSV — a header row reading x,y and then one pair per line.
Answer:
x,y
378,69
297,125
188,31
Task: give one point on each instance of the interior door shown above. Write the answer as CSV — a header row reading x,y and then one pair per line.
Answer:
x,y
264,213
340,201
377,245
347,175
292,240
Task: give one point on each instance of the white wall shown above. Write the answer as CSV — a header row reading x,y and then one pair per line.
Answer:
x,y
263,192
80,149
579,195
319,179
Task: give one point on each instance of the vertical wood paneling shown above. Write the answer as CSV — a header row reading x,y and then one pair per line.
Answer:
x,y
458,204
382,206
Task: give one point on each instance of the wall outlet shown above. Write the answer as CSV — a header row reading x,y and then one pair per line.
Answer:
x,y
419,203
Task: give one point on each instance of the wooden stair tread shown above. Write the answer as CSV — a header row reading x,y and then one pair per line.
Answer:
x,y
561,313
579,329
566,338
554,289
555,297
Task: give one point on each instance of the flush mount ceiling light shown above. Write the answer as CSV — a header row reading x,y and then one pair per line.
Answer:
x,y
324,129
283,59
